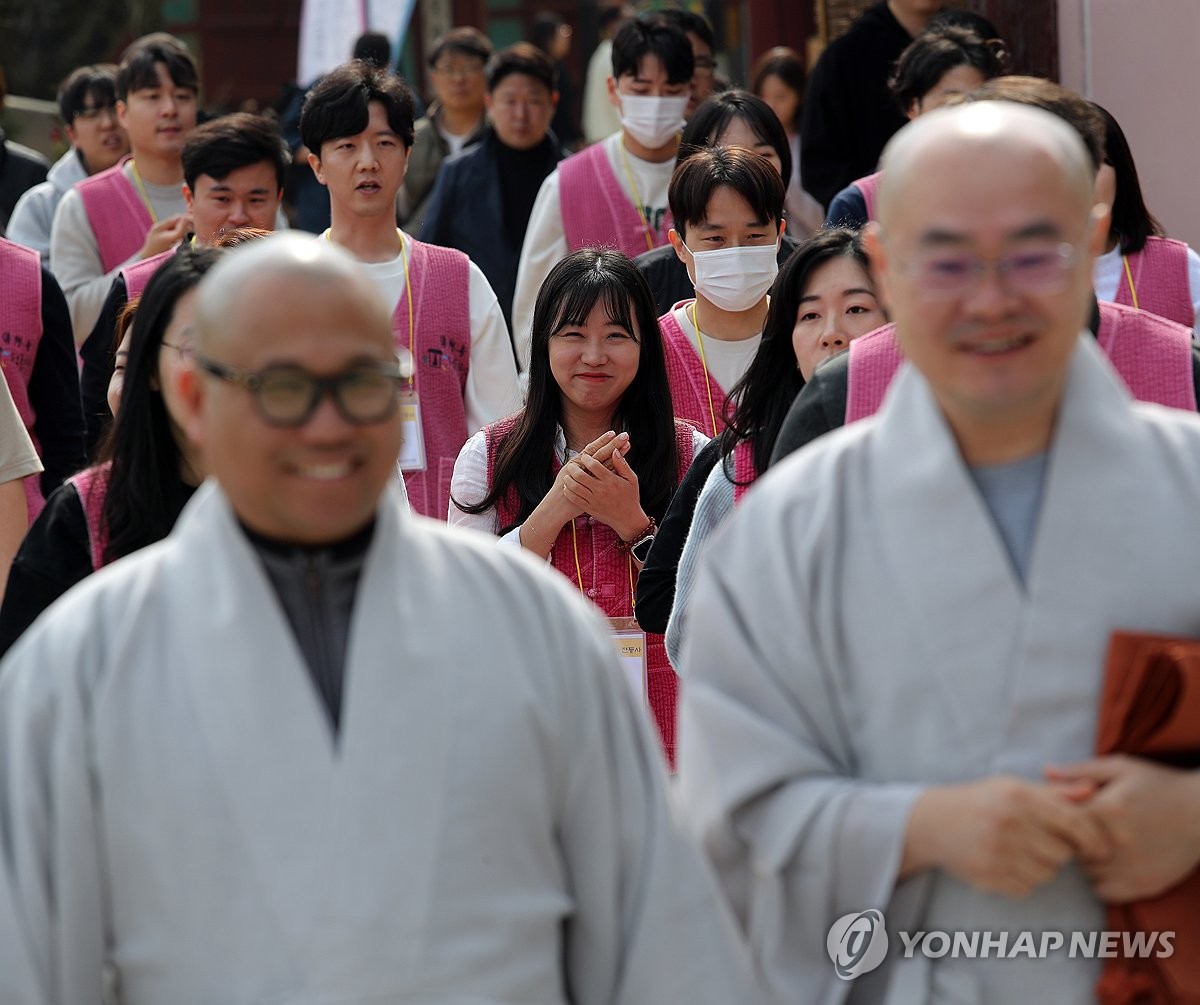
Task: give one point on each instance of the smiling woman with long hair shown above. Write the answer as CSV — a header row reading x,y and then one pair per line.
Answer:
x,y
582,475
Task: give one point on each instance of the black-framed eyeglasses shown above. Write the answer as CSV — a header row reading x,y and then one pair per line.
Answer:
x,y
288,396
91,112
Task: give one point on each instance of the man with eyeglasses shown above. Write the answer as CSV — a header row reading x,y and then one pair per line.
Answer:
x,y
893,680
455,120
87,103
348,753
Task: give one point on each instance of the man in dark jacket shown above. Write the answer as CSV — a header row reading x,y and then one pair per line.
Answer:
x,y
482,199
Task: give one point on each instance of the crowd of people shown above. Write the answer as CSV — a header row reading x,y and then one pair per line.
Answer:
x,y
470,595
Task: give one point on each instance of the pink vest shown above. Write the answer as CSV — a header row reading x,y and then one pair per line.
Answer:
x,y
20,335
441,288
744,471
1160,276
138,274
1152,355
596,212
118,217
605,570
690,385
869,187
91,485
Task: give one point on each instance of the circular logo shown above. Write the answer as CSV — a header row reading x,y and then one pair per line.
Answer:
x,y
857,943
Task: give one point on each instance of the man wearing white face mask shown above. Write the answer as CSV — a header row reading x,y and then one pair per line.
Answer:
x,y
613,194
727,203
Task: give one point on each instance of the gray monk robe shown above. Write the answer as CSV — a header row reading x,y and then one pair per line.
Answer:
x,y
489,825
858,632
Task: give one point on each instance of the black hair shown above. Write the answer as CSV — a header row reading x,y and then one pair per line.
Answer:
x,y
339,104
713,116
525,462
545,26
937,51
688,20
697,177
1131,221
610,15
523,58
787,65
145,493
1075,111
950,17
139,64
772,380
231,142
652,35
464,41
97,81
373,47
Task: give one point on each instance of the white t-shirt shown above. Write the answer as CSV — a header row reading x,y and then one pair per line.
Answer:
x,y
1109,274
726,361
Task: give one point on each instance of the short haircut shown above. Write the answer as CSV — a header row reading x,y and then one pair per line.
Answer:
x,y
934,53
465,42
652,35
545,26
1075,111
714,115
611,15
231,142
338,104
139,63
1132,221
963,19
523,58
373,47
787,65
98,81
688,20
749,174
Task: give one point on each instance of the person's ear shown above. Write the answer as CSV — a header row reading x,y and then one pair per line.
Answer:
x,y
681,251
877,255
314,162
188,197
1099,222
614,96
190,387
122,114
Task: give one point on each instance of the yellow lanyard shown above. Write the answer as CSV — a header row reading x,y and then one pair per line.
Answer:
x,y
140,186
712,413
647,232
412,373
579,572
1129,279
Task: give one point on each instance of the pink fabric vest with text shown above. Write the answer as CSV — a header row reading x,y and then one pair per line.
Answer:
x,y
596,212
869,187
138,274
91,485
690,385
744,471
1152,355
1160,276
20,335
441,297
605,569
119,218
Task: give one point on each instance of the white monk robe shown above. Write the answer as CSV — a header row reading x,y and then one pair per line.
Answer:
x,y
489,826
858,631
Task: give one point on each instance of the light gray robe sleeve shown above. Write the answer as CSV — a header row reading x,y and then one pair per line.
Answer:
x,y
767,773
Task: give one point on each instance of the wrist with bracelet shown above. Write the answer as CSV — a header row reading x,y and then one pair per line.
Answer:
x,y
639,544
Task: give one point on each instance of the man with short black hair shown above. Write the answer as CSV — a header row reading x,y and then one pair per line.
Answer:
x,y
699,32
135,209
87,103
483,196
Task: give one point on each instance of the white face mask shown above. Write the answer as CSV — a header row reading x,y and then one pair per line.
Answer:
x,y
735,279
652,121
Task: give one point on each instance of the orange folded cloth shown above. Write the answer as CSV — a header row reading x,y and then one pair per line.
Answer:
x,y
1150,708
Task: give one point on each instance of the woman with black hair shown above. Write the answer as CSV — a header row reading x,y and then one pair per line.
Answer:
x,y
585,471
148,469
1140,267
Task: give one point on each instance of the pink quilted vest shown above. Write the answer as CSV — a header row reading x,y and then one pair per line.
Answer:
x,y
119,218
689,384
91,485
20,334
138,274
596,212
744,471
441,286
869,187
605,571
1152,355
1160,276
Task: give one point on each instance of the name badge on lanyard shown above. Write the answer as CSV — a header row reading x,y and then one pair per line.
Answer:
x,y
412,450
630,643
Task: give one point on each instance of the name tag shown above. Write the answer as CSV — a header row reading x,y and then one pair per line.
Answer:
x,y
630,643
412,450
